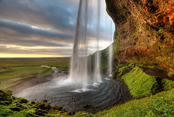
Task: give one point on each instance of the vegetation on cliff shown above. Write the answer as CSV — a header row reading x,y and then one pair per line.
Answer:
x,y
144,30
139,83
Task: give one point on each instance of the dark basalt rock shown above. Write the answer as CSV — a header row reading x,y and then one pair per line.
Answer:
x,y
39,112
57,107
2,94
32,102
87,106
5,97
16,109
23,100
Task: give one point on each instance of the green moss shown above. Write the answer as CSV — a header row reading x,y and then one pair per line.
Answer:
x,y
124,70
20,107
139,83
47,71
5,97
167,84
160,105
170,74
83,114
23,100
114,74
167,60
135,34
117,43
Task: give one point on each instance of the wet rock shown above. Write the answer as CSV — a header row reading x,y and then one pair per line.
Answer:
x,y
71,113
87,106
44,105
19,105
23,100
45,101
5,97
2,94
57,107
39,112
13,97
32,102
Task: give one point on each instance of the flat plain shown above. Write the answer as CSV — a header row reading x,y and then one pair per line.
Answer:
x,y
14,71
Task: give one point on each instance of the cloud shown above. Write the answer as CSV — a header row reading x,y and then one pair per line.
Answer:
x,y
29,50
55,14
45,26
31,30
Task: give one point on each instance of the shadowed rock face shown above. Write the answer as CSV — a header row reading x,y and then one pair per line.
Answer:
x,y
144,31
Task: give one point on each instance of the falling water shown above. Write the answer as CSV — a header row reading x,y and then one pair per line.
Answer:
x,y
78,70
97,74
79,66
110,53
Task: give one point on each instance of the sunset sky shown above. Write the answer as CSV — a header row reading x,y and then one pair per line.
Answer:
x,y
46,28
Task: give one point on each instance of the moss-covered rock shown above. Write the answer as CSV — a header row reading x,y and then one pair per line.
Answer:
x,y
21,107
87,106
5,97
139,83
144,31
23,100
167,84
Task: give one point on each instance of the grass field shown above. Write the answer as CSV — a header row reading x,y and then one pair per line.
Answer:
x,y
13,71
62,64
159,105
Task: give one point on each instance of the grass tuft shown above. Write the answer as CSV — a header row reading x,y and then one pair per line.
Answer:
x,y
167,84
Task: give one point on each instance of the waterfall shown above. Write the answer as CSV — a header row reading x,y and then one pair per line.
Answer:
x,y
97,74
110,57
79,71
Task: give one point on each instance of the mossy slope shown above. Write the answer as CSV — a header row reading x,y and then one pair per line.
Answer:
x,y
20,107
139,83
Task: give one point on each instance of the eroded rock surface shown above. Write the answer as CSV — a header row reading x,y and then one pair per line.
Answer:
x,y
144,31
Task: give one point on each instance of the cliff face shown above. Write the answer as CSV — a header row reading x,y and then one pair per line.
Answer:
x,y
144,31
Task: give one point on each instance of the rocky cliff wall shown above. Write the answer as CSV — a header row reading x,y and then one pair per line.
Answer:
x,y
144,31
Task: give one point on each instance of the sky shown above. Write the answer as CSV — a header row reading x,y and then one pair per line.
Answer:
x,y
46,28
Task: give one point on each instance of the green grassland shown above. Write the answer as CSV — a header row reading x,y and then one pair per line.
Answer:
x,y
148,100
159,105
13,71
62,64
139,83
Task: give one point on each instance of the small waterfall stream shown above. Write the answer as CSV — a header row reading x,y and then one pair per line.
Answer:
x,y
110,57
